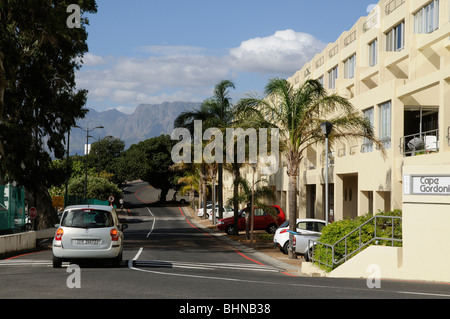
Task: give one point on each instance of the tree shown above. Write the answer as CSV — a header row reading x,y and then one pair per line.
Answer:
x,y
298,114
253,195
39,55
217,112
158,160
131,165
98,188
104,155
190,181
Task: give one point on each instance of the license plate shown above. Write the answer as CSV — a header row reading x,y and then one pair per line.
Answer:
x,y
85,242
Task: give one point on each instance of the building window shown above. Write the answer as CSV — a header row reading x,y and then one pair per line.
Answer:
x,y
320,80
367,145
349,67
373,53
395,38
332,76
426,20
385,124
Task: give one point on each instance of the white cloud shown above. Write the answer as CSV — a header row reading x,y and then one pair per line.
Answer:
x,y
184,73
284,52
170,50
90,59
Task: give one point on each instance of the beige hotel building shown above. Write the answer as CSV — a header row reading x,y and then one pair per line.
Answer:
x,y
394,66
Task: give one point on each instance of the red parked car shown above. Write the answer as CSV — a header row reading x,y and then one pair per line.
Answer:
x,y
263,221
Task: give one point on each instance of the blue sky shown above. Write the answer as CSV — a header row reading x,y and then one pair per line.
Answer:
x,y
143,51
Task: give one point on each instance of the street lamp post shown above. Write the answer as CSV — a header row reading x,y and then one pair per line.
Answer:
x,y
254,165
326,130
87,130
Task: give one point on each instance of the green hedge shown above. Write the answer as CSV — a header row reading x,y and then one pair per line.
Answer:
x,y
333,232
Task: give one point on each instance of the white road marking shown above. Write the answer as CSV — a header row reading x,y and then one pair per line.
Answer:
x,y
205,266
154,222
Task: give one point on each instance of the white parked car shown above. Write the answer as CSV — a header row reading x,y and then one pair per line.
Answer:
x,y
208,210
88,232
227,212
301,240
305,227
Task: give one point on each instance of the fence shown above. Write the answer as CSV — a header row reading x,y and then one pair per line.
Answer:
x,y
12,207
378,230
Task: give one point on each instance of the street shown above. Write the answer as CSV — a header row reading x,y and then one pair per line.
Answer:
x,y
168,256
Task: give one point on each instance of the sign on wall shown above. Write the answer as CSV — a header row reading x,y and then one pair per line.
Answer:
x,y
426,185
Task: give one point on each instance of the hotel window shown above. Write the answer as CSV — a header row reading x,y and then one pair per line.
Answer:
x,y
367,145
395,38
373,53
332,76
426,20
349,67
385,124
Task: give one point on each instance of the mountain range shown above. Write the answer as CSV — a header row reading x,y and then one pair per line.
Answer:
x,y
147,121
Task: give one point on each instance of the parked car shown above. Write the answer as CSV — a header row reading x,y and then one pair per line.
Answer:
x,y
88,232
304,226
227,212
263,221
312,231
208,210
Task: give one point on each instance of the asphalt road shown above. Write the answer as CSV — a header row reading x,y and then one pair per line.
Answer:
x,y
167,256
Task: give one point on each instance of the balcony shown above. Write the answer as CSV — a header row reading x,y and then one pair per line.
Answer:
x,y
420,143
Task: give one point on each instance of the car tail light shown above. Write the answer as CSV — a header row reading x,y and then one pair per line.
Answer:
x,y
294,240
114,234
59,234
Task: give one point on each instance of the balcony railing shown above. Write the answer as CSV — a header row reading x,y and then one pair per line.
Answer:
x,y
310,162
393,5
420,143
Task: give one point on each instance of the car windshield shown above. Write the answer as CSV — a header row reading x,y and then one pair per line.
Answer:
x,y
87,218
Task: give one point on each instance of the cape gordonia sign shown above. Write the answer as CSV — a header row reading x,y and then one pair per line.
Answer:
x,y
426,185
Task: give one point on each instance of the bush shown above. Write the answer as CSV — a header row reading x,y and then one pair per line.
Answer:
x,y
98,188
334,232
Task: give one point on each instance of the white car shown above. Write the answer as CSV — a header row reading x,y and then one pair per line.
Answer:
x,y
312,227
227,212
88,232
208,210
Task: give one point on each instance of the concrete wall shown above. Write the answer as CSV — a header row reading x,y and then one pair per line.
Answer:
x,y
17,242
425,254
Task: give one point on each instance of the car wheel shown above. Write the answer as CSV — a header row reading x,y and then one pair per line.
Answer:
x,y
271,229
117,260
230,230
182,201
285,248
306,254
57,263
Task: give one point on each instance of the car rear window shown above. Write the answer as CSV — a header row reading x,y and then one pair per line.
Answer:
x,y
87,218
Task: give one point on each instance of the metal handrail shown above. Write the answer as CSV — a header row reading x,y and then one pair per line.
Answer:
x,y
335,262
417,143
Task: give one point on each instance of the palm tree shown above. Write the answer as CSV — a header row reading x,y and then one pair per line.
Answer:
x,y
298,114
190,181
253,195
216,112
